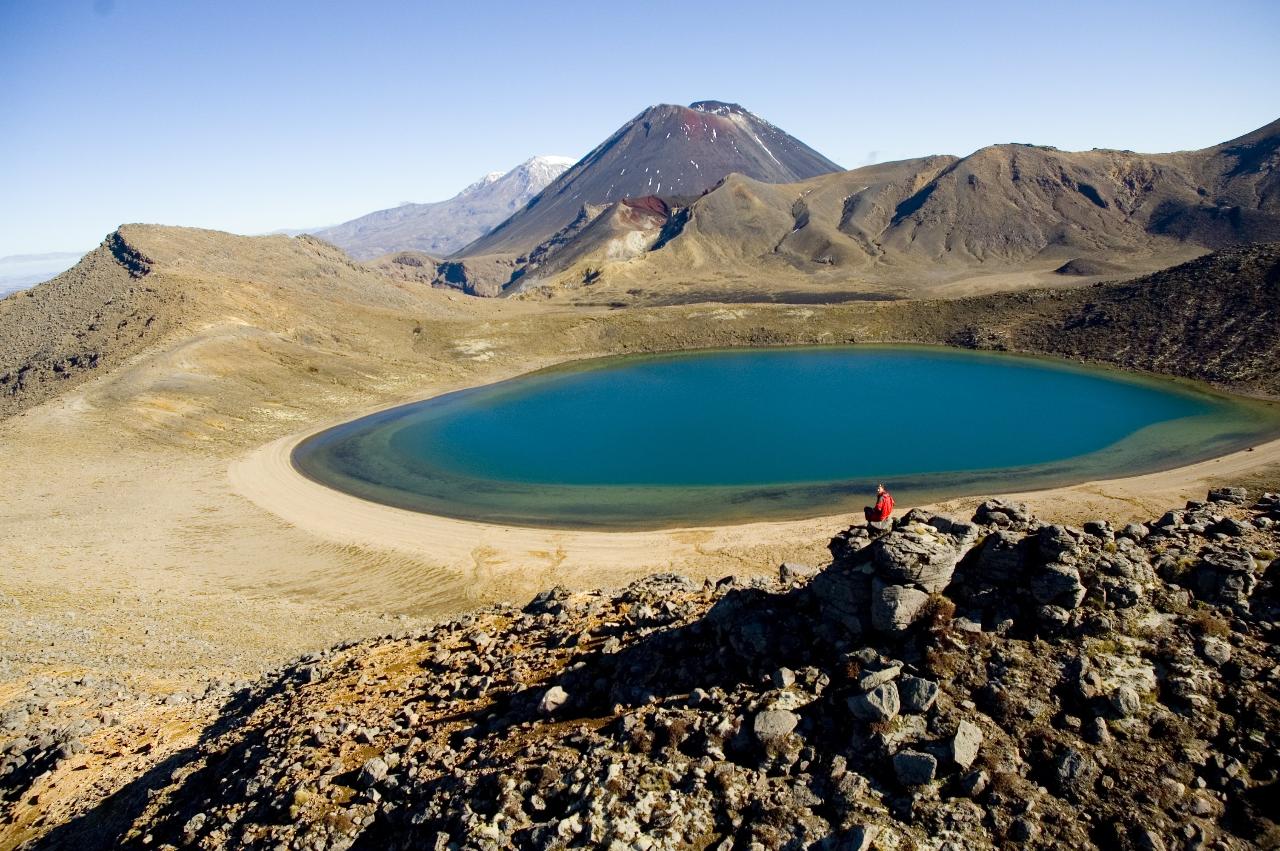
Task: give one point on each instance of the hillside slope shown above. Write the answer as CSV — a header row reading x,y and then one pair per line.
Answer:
x,y
1216,318
147,286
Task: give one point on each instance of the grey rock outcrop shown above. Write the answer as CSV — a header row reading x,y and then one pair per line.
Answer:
x,y
919,555
1057,584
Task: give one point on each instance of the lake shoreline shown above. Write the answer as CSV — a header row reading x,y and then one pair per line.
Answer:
x,y
1127,425
268,477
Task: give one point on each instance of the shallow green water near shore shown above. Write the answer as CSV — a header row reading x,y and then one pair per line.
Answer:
x,y
728,436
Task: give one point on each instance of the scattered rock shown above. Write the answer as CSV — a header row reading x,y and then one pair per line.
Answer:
x,y
917,694
1101,700
774,725
880,704
790,572
554,698
1075,774
965,744
784,678
1126,701
373,772
1233,496
914,768
874,678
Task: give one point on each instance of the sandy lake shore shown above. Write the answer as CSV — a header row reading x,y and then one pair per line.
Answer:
x,y
516,559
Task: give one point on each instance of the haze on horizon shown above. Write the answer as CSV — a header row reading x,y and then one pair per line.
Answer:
x,y
255,117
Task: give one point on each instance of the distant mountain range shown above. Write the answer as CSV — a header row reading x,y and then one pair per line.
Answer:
x,y
888,229
708,201
19,271
442,228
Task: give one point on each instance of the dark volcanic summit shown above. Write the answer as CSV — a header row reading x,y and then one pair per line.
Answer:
x,y
668,151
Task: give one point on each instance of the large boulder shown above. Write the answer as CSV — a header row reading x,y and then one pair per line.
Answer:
x,y
921,556
1226,576
895,607
1057,585
1055,542
844,594
1004,515
1001,559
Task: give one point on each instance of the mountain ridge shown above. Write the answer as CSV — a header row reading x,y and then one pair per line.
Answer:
x,y
441,227
897,227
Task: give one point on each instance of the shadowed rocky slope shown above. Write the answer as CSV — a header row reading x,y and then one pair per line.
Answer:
x,y
89,318
990,682
1215,319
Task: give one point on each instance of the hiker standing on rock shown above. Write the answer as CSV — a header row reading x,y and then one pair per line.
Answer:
x,y
883,507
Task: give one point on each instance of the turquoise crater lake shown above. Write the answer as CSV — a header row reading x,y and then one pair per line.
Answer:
x,y
729,436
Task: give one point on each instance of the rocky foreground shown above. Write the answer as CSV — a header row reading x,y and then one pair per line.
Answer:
x,y
943,683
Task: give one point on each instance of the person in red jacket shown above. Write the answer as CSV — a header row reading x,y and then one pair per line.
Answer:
x,y
883,507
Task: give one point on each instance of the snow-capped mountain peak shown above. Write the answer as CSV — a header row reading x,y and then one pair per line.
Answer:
x,y
443,227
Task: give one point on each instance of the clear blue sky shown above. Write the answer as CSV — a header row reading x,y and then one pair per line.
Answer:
x,y
251,116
